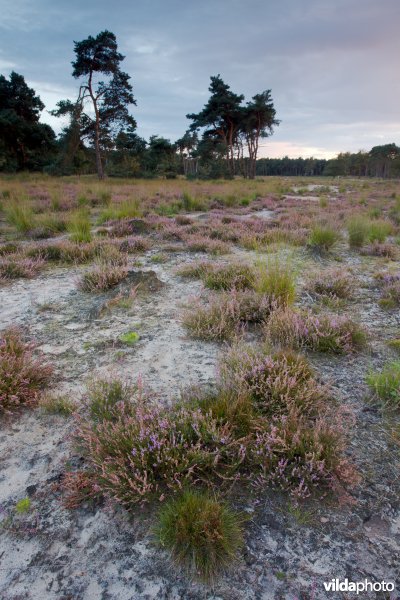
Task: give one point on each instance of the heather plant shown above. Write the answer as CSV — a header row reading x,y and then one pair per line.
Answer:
x,y
194,270
57,405
15,266
226,277
63,251
141,452
390,290
386,384
278,383
22,377
322,333
102,276
299,456
199,243
384,250
104,396
333,283
135,244
225,315
202,534
9,248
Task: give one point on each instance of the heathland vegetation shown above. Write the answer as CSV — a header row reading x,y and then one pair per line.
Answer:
x,y
196,369
279,277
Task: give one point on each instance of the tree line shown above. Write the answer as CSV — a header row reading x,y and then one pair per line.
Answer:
x,y
222,139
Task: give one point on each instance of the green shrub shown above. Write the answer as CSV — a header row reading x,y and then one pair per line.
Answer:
x,y
379,230
57,405
226,277
357,228
79,228
276,279
323,238
21,216
202,534
104,395
386,383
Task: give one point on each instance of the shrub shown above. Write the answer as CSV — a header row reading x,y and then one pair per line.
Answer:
x,y
17,266
135,244
224,316
57,405
21,376
63,252
79,228
202,534
105,395
390,293
102,277
384,250
226,277
386,383
199,243
194,270
333,283
9,248
299,456
141,450
280,384
323,238
323,333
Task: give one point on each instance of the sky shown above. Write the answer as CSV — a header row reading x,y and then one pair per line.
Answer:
x,y
332,66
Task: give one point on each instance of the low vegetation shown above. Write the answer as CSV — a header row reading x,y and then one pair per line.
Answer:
x,y
386,384
22,376
322,333
202,535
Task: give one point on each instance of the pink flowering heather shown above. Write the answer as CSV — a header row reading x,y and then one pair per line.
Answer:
x,y
21,376
297,456
15,266
145,450
323,333
226,314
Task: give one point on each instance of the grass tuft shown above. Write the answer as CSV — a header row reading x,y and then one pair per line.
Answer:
x,y
202,534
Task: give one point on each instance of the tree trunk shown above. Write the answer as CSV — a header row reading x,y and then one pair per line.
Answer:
x,y
99,164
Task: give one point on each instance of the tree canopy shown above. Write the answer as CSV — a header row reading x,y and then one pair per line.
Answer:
x,y
101,109
230,128
25,143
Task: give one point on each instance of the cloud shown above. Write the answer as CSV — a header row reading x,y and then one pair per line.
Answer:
x,y
331,66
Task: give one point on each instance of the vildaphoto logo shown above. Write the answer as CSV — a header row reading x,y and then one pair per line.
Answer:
x,y
337,585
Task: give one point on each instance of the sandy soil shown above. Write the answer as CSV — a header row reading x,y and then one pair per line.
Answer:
x,y
99,554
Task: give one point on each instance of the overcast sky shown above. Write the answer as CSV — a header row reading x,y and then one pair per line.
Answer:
x,y
332,66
